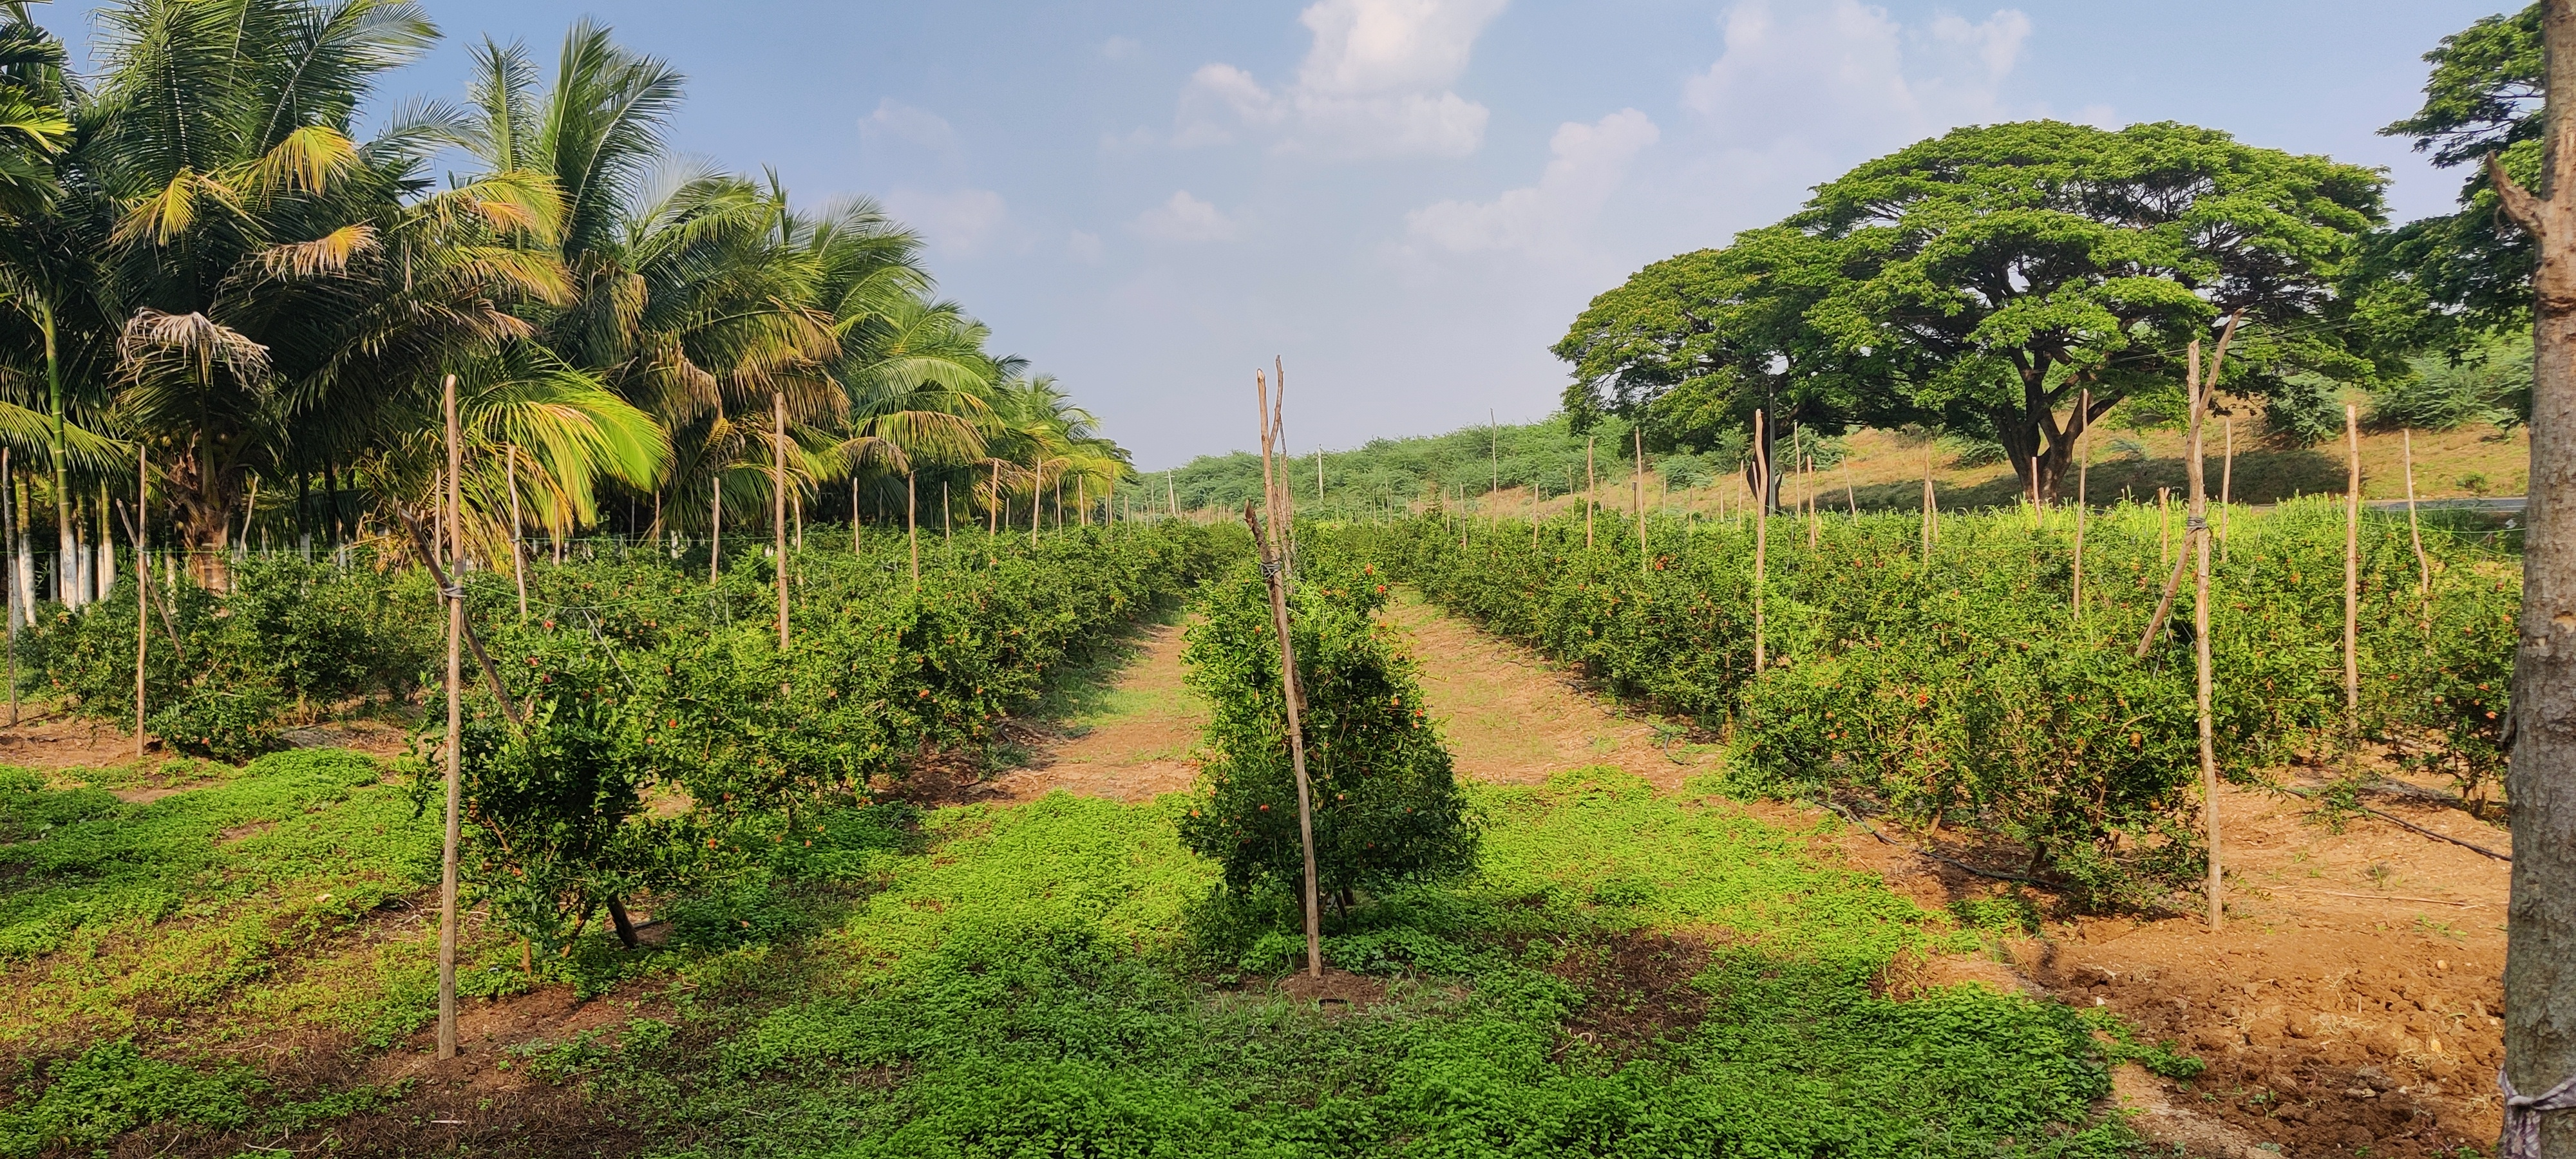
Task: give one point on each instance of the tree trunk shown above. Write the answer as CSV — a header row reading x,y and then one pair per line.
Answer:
x,y
2540,954
204,494
2042,451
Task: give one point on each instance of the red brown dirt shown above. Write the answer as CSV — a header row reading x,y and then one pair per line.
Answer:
x,y
2349,1002
1132,756
1512,716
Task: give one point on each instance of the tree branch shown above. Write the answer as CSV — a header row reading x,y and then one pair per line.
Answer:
x,y
2519,204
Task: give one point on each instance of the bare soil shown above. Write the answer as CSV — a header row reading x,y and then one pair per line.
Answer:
x,y
1512,716
1132,739
2349,1002
1336,990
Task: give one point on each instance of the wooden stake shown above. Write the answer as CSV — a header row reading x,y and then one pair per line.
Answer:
x,y
1761,534
2415,530
1931,441
1591,489
142,585
1645,552
778,500
715,531
2199,528
2227,490
455,766
518,569
912,527
1274,577
2164,524
2173,580
2084,467
1809,487
10,512
2352,587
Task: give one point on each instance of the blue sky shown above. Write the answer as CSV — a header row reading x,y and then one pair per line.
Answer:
x,y
1409,200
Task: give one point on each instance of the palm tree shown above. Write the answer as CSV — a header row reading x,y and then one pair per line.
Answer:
x,y
279,278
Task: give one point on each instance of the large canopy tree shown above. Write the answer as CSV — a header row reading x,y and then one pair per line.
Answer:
x,y
1693,345
2007,267
1983,278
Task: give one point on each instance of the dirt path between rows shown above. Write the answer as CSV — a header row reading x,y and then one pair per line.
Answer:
x,y
2348,1007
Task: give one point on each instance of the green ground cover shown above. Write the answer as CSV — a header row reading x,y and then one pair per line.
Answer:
x,y
1059,979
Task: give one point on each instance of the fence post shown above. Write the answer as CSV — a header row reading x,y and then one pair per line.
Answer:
x,y
2352,587
454,757
1761,533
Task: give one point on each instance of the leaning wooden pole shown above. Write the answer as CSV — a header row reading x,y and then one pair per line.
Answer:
x,y
2414,529
778,500
455,689
2227,491
912,526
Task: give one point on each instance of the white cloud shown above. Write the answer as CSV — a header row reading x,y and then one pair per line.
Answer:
x,y
1586,165
1121,48
1185,219
1084,247
1847,71
961,222
894,120
1375,82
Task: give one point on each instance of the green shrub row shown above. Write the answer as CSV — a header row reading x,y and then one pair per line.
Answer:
x,y
637,681
1965,688
224,673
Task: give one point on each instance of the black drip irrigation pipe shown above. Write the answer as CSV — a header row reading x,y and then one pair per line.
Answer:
x,y
2403,823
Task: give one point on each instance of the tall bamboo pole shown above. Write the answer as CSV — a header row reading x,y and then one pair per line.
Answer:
x,y
2415,530
1591,489
2199,529
2083,468
455,759
142,583
778,500
2352,586
1931,441
1645,553
1273,568
715,531
1761,532
2227,491
912,527
11,512
518,568
2164,524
